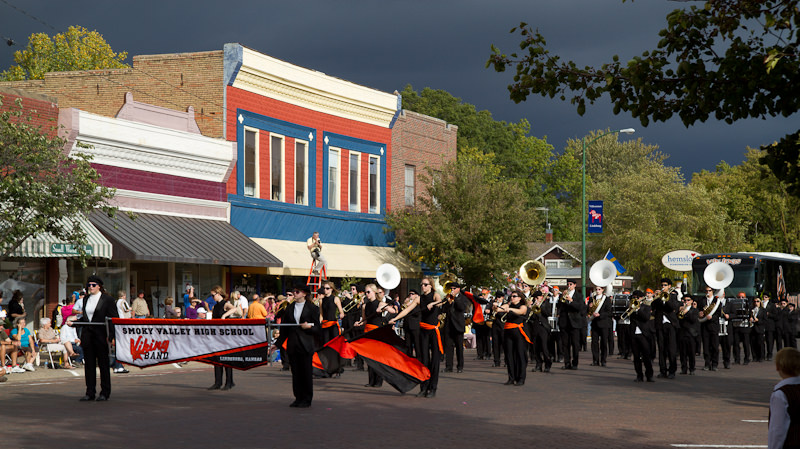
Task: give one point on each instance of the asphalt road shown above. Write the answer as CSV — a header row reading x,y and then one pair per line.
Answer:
x,y
592,407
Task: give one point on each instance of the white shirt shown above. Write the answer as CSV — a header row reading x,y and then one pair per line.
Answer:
x,y
68,334
243,304
123,309
298,310
779,414
91,305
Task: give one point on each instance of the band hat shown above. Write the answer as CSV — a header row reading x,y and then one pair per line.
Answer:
x,y
649,290
94,278
637,294
413,292
453,285
572,281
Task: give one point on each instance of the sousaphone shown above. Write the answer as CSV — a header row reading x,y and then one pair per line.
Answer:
x,y
388,276
532,272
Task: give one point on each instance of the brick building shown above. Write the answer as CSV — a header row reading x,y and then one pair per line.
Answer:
x,y
312,152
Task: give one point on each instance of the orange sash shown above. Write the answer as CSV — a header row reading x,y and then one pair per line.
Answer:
x,y
328,323
427,326
521,330
369,327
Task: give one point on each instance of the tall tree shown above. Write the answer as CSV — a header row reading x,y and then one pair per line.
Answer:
x,y
728,60
75,49
467,221
41,188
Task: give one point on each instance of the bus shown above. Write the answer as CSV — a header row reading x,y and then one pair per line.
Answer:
x,y
753,273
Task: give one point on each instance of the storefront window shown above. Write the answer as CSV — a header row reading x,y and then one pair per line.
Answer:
x,y
27,277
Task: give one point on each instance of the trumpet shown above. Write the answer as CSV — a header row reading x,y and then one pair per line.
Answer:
x,y
632,308
356,302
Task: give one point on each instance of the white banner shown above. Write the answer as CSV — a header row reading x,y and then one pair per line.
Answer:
x,y
239,343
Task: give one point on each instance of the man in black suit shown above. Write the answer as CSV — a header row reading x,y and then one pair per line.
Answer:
x,y
601,327
572,320
709,328
741,328
665,308
300,344
454,325
770,315
540,332
97,306
642,338
688,317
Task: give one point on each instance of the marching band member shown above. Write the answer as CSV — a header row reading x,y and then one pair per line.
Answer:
x,y
431,348
601,328
758,320
688,317
329,306
571,320
371,320
482,330
709,327
515,338
300,344
454,325
770,311
665,308
497,326
540,326
411,316
741,325
554,344
642,331
624,338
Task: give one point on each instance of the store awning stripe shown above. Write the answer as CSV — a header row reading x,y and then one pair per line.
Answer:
x,y
46,245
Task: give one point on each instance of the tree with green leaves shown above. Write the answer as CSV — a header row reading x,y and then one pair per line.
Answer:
x,y
42,188
467,221
724,60
75,49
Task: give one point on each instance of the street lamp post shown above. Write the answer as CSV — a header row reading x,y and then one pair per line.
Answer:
x,y
584,206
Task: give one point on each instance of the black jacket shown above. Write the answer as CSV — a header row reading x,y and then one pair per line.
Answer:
x,y
299,340
106,308
604,321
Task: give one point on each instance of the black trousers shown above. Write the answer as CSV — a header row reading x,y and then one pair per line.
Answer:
x,y
302,375
515,347
453,338
328,333
687,352
95,354
741,337
726,346
600,339
375,379
571,341
482,340
218,376
642,356
710,346
611,339
412,341
667,349
497,342
540,350
769,341
789,340
431,357
624,339
757,346
555,345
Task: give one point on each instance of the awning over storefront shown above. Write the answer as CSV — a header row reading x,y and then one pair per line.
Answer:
x,y
46,245
164,238
343,260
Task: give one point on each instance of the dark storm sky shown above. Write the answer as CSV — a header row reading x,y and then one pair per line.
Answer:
x,y
388,44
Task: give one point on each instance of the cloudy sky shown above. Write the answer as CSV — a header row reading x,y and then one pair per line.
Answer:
x,y
442,44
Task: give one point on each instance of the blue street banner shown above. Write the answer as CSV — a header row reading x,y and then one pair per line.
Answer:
x,y
595,222
610,257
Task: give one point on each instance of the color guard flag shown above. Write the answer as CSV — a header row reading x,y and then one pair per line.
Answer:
x,y
382,350
620,268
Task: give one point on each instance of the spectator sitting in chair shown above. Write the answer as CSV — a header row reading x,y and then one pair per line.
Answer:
x,y
48,336
71,342
25,338
8,346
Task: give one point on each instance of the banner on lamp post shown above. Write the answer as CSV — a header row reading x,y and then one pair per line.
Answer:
x,y
594,224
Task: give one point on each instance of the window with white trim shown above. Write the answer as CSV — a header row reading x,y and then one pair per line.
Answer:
x,y
276,167
333,179
251,163
408,188
374,185
354,183
300,172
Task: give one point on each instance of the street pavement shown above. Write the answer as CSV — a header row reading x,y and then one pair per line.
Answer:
x,y
592,407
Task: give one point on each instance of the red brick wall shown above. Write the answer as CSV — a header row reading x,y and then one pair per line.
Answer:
x,y
41,109
249,101
421,141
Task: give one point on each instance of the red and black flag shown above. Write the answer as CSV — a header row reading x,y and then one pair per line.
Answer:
x,y
329,359
384,352
477,309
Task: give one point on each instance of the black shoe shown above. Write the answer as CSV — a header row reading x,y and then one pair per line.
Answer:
x,y
303,405
519,383
431,394
602,363
101,398
285,368
650,379
706,368
727,365
713,368
746,362
684,371
226,387
294,404
214,387
573,367
509,382
448,370
671,376
639,379
86,398
496,364
422,394
547,370
661,376
460,370
595,364
691,373
566,367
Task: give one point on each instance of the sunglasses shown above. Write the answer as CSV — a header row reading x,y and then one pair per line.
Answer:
x,y
326,288
426,284
515,296
92,284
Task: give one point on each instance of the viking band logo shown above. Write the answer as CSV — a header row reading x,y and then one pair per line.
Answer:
x,y
143,348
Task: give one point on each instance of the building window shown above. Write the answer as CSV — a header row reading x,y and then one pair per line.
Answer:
x,y
374,187
333,179
300,172
354,183
411,175
250,163
276,168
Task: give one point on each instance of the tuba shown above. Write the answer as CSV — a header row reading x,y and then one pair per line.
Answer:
x,y
717,275
602,274
388,276
532,272
445,279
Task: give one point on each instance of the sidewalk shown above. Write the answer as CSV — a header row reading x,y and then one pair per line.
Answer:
x,y
44,374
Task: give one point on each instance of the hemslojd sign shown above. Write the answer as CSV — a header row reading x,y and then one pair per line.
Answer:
x,y
680,260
